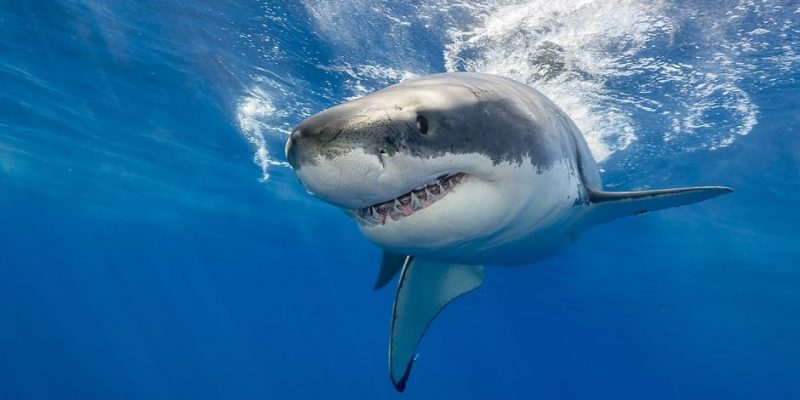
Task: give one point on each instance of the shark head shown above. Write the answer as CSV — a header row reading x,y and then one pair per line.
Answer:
x,y
429,165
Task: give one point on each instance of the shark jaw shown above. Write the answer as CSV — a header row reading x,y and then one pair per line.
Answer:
x,y
409,203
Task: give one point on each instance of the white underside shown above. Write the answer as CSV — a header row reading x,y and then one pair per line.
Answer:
x,y
505,213
514,215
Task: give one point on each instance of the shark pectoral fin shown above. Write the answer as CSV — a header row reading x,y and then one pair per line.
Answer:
x,y
391,264
425,288
611,205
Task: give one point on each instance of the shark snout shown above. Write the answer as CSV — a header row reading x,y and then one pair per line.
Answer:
x,y
363,153
333,133
341,172
307,146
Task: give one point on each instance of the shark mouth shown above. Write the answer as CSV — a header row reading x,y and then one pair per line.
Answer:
x,y
409,203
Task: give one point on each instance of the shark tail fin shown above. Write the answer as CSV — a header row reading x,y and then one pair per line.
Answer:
x,y
425,288
607,206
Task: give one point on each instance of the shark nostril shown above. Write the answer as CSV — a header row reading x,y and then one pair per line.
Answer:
x,y
296,134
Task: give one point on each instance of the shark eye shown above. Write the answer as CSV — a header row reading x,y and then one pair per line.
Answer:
x,y
422,124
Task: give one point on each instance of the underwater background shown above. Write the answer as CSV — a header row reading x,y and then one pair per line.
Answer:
x,y
155,245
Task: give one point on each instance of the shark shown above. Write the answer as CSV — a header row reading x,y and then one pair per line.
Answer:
x,y
450,172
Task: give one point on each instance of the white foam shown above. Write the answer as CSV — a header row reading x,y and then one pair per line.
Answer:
x,y
365,78
254,114
627,71
575,51
566,49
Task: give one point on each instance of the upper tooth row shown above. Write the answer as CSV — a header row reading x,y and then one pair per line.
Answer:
x,y
446,182
431,191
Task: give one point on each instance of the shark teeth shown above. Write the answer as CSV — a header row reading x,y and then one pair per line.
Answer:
x,y
409,203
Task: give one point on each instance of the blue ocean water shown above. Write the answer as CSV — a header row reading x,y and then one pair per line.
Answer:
x,y
153,243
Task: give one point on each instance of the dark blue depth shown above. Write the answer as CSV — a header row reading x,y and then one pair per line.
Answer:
x,y
141,258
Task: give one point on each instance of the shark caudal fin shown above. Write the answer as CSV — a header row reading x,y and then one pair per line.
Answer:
x,y
606,206
424,289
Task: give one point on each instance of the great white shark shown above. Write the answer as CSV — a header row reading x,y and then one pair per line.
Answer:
x,y
450,172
